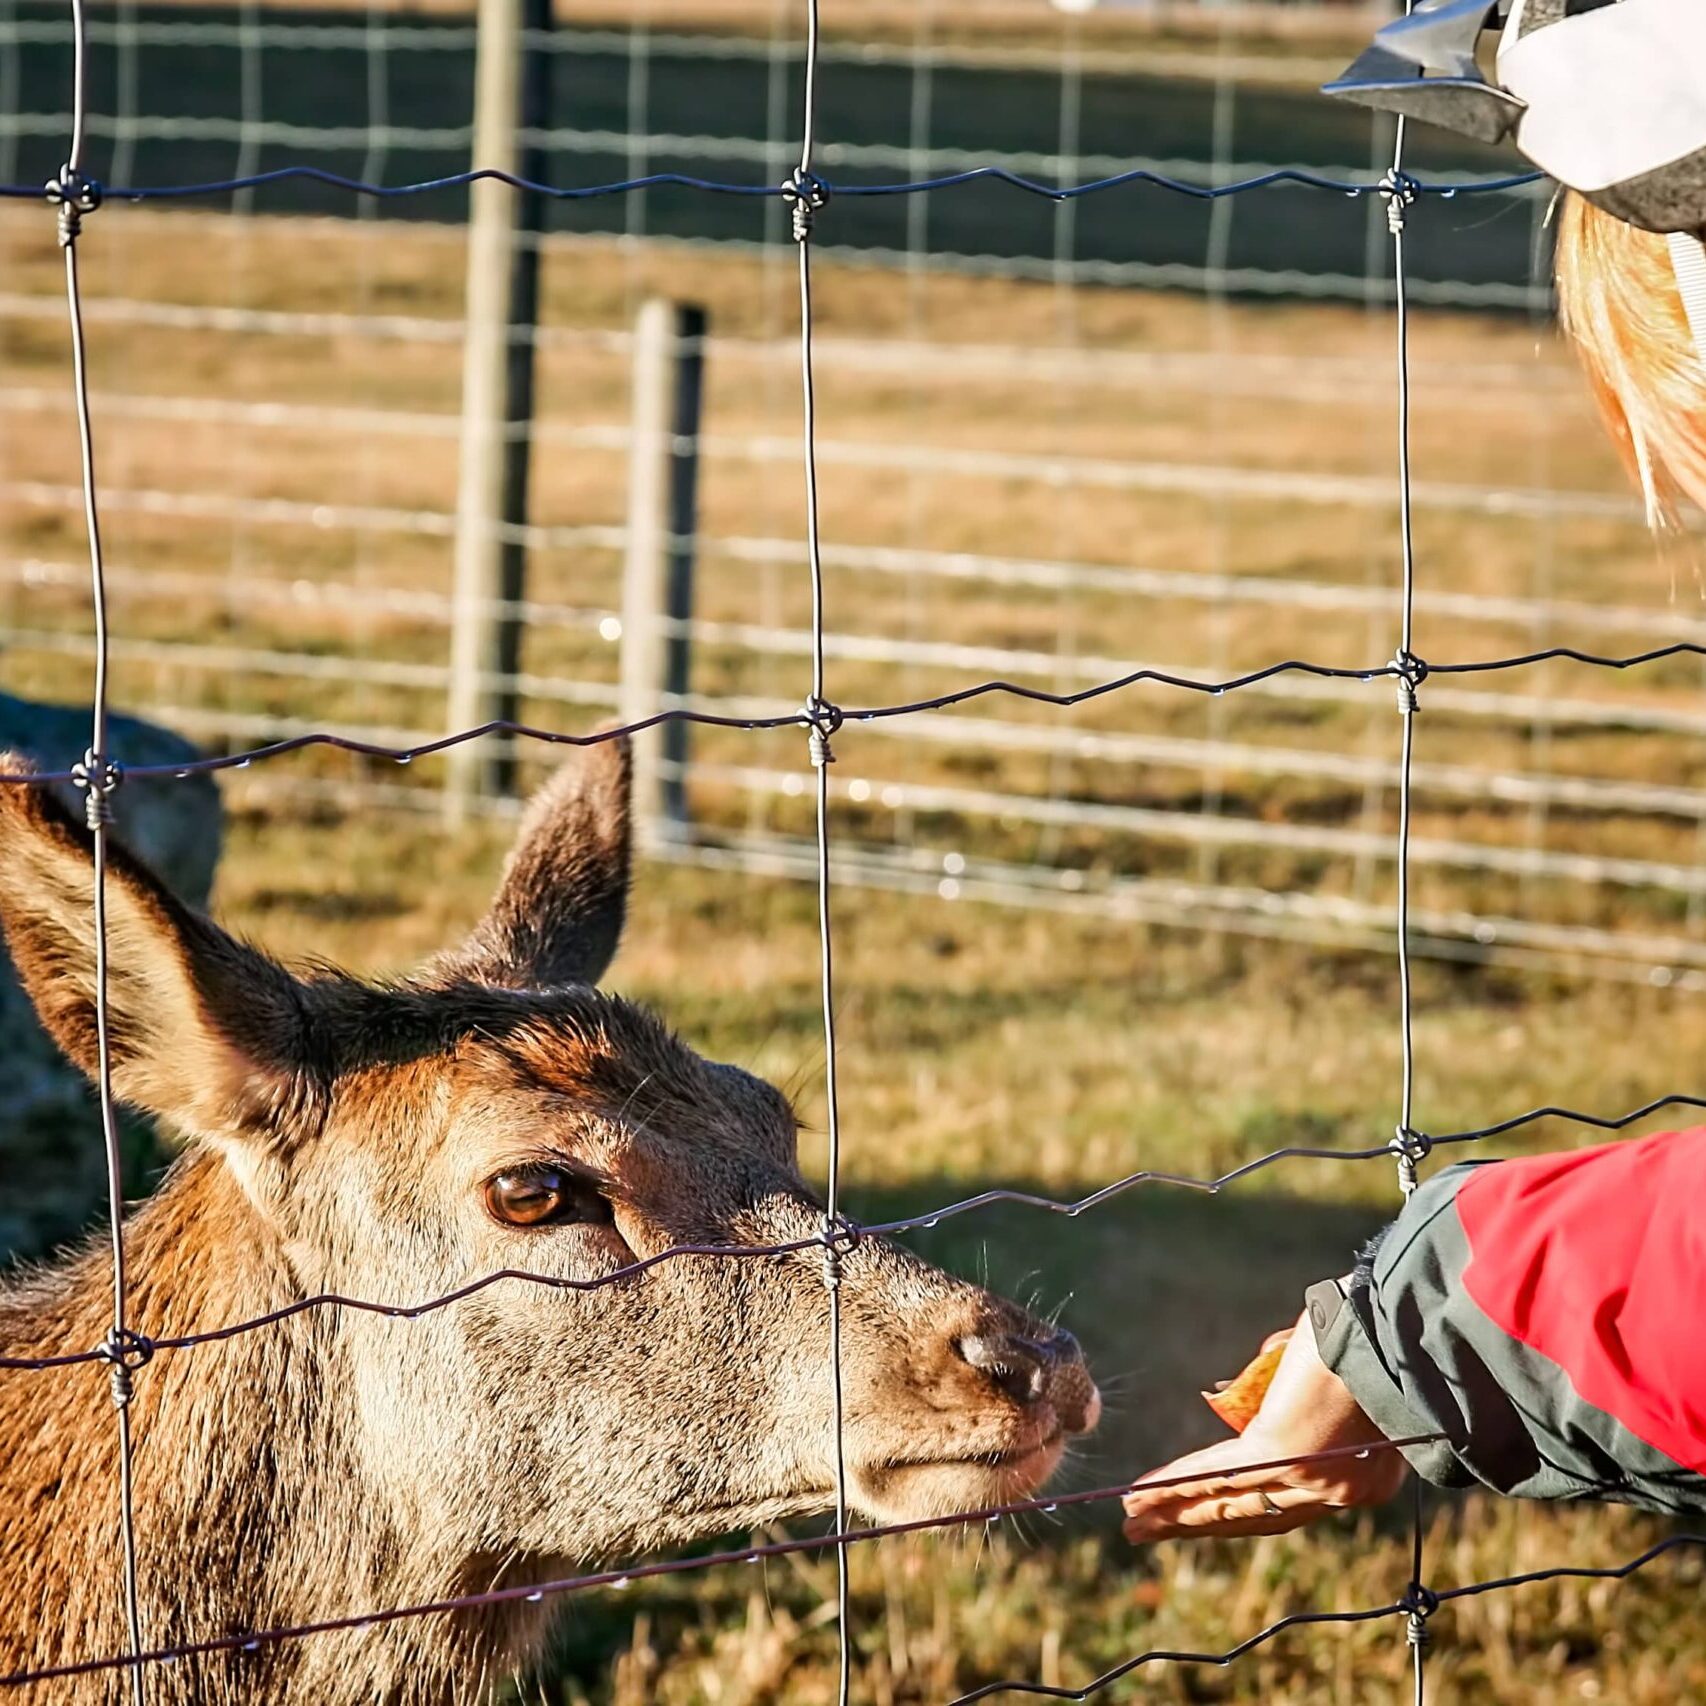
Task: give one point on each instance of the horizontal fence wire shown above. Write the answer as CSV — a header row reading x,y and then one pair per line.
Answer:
x,y
819,720
254,1641
877,713
1405,1607
1185,479
1304,179
533,1593
1589,792
1319,378
280,589
745,150
1334,922
848,1233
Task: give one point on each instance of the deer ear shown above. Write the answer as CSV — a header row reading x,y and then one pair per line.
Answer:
x,y
560,906
202,1030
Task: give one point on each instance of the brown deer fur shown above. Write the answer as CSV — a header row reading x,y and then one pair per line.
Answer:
x,y
339,1138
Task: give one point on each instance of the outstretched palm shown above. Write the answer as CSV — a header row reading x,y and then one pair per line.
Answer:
x,y
1245,1485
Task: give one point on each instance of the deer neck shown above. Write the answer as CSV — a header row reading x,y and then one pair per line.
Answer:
x,y
247,1515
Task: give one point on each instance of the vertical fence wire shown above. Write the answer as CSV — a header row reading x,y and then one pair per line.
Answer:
x,y
807,195
75,195
1399,194
1419,1602
1409,1145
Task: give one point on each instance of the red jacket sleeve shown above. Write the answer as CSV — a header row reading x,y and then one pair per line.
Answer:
x,y
1548,1315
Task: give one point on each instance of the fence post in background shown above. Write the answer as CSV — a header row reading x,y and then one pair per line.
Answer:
x,y
511,108
657,586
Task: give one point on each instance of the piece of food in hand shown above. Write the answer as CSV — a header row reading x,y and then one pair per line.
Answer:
x,y
1236,1401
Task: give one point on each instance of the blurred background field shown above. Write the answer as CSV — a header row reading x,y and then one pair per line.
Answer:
x,y
1056,441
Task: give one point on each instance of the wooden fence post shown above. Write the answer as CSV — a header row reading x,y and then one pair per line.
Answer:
x,y
511,97
657,588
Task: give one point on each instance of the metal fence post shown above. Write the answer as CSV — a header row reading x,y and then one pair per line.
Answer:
x,y
511,101
657,587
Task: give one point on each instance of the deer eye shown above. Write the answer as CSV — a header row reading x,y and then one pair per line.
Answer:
x,y
544,1196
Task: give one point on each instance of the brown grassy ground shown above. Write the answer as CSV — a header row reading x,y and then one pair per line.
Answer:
x,y
1496,406
980,1045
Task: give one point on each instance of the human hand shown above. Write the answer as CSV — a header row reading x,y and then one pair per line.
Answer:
x,y
1307,1409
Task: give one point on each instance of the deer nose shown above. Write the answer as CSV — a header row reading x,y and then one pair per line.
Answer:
x,y
1017,1366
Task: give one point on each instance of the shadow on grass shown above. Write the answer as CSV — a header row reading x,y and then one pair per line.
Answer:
x,y
1168,1291
336,908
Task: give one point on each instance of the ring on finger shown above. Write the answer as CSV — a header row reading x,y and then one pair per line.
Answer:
x,y
1269,1508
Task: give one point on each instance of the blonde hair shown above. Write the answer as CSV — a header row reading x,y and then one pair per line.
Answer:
x,y
1619,302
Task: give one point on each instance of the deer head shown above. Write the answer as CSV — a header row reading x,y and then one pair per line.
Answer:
x,y
499,1111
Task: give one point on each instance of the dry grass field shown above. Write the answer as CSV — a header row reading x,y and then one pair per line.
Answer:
x,y
1300,46
981,1045
278,509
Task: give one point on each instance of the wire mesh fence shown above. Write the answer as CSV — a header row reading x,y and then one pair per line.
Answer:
x,y
935,100
1063,679
1071,549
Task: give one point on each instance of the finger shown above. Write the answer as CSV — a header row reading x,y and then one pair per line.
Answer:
x,y
1240,1529
1216,1461
1221,1478
1260,1504
1142,1501
1271,1510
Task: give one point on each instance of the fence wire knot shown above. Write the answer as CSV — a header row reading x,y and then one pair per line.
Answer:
x,y
841,1236
1399,190
1412,1148
1410,672
98,777
807,195
74,193
822,719
1420,1603
125,1352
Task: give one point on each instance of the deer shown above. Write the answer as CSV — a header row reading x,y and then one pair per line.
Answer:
x,y
394,1141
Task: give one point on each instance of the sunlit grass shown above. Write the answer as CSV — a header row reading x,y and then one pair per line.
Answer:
x,y
979,1045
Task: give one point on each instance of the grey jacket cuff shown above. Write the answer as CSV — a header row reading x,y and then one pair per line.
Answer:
x,y
1341,1314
